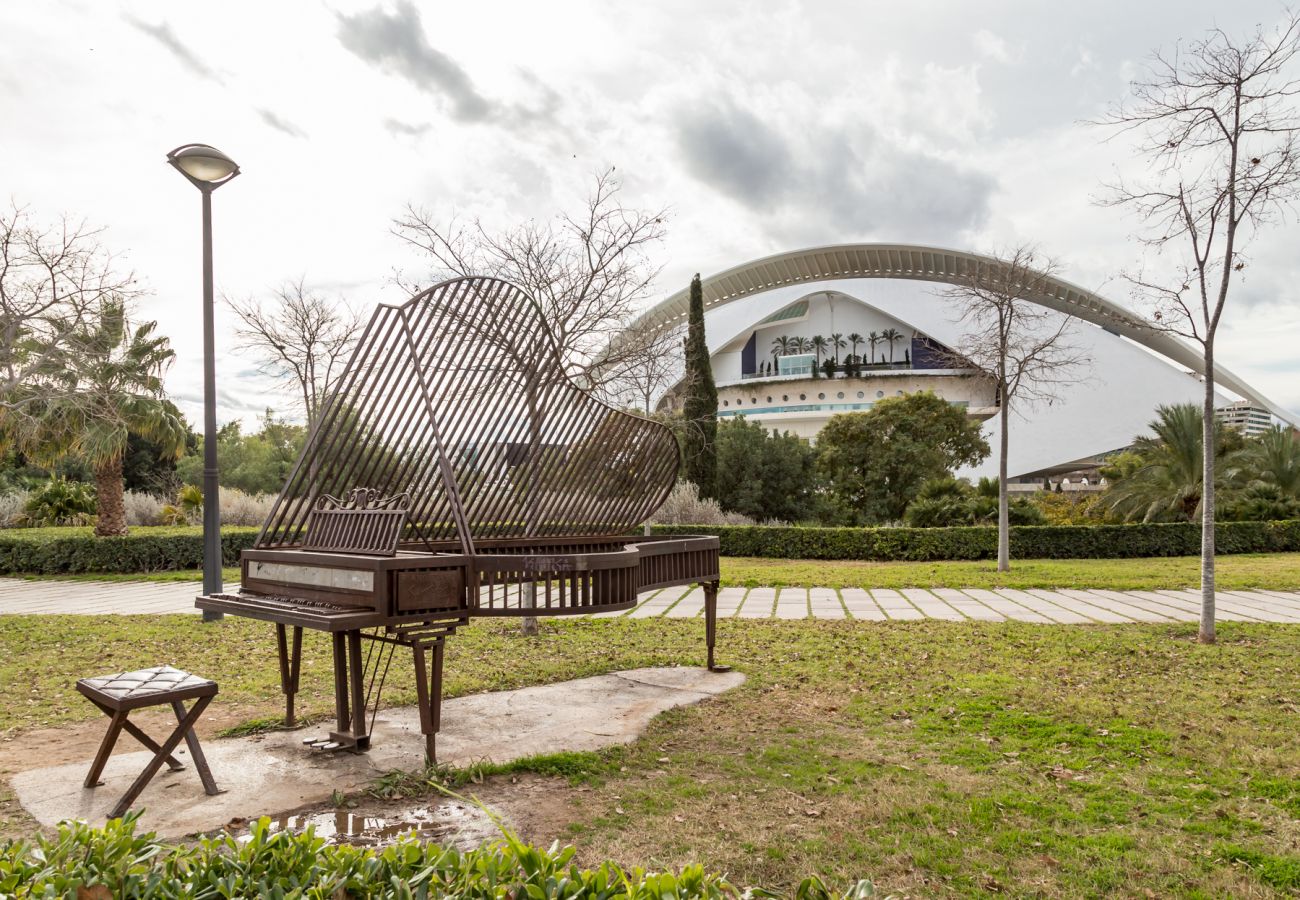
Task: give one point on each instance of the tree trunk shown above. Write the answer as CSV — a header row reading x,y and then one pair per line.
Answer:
x,y
1206,633
112,513
1004,511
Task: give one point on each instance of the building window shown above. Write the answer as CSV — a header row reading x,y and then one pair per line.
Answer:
x,y
839,396
739,402
898,393
803,396
861,395
753,401
769,399
785,397
725,403
821,396
879,394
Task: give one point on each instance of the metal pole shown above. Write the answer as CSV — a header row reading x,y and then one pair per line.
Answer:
x,y
211,491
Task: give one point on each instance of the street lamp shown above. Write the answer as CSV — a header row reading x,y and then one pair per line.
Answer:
x,y
207,168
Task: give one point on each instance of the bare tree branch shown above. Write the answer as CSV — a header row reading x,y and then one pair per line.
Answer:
x,y
1022,346
590,271
300,337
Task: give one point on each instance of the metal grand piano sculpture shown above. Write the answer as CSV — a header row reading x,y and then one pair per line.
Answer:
x,y
457,472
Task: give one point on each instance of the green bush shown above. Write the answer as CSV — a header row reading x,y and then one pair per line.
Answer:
x,y
114,861
60,502
62,551
980,542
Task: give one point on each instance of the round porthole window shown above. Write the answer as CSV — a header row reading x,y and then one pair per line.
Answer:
x,y
753,401
769,399
898,393
785,397
861,395
879,394
803,396
725,403
821,396
839,396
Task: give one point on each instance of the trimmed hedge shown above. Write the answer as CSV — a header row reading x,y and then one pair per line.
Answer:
x,y
981,542
65,551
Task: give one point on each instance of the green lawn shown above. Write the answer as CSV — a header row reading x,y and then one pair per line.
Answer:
x,y
1276,571
935,758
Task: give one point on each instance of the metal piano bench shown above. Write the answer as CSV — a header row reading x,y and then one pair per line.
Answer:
x,y
117,695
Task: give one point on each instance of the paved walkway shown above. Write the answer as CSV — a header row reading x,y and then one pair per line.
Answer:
x,y
1063,606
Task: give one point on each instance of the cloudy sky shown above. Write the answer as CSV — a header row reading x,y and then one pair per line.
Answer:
x,y
763,127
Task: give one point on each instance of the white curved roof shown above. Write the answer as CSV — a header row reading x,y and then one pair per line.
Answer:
x,y
935,264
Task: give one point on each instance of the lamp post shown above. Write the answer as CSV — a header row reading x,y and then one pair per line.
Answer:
x,y
207,168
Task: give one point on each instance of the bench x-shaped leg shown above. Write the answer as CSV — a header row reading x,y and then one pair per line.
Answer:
x,y
117,724
184,731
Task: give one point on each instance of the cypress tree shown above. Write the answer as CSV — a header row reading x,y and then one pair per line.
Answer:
x,y
700,409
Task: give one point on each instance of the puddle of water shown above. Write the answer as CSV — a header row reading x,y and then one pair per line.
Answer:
x,y
451,823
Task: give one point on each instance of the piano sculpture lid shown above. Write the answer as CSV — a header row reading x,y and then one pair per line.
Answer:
x,y
458,399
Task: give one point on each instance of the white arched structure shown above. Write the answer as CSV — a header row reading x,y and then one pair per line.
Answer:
x,y
933,264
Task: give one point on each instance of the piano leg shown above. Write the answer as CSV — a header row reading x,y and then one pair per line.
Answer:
x,y
428,691
290,664
358,692
711,623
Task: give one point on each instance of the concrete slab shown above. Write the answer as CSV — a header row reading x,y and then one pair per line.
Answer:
x,y
931,606
968,606
792,603
273,773
758,603
825,604
895,606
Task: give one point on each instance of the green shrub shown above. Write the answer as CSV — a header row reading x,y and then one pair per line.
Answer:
x,y
60,502
62,551
115,861
980,542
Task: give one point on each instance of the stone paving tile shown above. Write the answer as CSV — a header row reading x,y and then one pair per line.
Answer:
x,y
1137,610
1094,611
758,603
729,600
825,603
1232,612
792,603
689,606
860,605
931,606
967,605
1008,608
1271,609
659,603
895,605
1045,608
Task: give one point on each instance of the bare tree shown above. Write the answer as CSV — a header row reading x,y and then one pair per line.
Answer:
x,y
589,272
54,280
647,369
301,337
1216,122
1022,346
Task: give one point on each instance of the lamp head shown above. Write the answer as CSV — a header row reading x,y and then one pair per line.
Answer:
x,y
207,168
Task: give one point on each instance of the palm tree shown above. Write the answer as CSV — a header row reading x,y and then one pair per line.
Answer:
x,y
892,335
873,338
108,386
837,344
802,345
819,346
1273,458
854,340
1161,479
781,347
